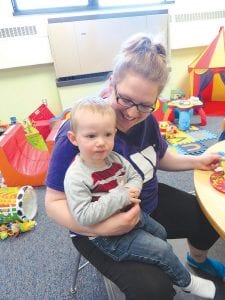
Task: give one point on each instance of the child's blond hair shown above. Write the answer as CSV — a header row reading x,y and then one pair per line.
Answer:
x,y
93,104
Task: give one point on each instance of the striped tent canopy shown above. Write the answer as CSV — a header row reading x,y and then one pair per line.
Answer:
x,y
207,76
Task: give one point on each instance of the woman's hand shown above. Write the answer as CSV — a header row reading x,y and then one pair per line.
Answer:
x,y
120,223
208,161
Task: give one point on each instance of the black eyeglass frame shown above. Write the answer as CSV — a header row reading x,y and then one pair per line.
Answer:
x,y
140,107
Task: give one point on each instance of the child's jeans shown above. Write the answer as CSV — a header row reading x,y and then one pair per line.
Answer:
x,y
146,243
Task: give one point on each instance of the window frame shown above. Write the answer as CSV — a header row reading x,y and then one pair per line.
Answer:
x,y
92,5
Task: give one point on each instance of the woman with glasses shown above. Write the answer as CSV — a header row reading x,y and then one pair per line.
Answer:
x,y
139,76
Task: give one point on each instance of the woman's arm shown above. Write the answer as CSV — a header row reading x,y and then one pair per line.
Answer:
x,y
120,223
175,162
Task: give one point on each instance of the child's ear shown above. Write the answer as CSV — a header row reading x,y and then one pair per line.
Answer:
x,y
72,137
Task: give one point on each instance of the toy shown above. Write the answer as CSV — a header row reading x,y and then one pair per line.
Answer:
x,y
176,94
206,75
163,125
217,178
21,163
40,119
167,130
3,128
13,120
171,132
34,137
13,229
185,108
17,204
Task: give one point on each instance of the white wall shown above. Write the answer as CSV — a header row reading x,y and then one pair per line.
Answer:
x,y
210,15
17,84
33,50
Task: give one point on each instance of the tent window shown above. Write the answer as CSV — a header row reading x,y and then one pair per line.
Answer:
x,y
21,7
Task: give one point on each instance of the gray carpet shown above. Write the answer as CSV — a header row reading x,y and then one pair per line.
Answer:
x,y
39,264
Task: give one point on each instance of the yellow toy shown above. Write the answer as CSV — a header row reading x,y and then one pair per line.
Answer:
x,y
13,229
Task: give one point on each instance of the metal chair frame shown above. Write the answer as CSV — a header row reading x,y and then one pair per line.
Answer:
x,y
78,267
113,291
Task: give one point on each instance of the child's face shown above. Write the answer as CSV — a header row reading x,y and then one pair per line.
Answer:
x,y
95,137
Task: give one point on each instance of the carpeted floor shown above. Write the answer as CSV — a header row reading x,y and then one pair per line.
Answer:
x,y
39,264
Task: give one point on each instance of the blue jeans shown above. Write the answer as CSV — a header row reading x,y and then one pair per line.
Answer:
x,y
146,243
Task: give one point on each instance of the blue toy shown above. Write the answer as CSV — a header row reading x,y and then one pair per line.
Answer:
x,y
183,109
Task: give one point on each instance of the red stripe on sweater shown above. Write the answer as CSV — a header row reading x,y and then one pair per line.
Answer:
x,y
107,175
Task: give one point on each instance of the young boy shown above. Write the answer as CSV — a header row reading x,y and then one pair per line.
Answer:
x,y
101,182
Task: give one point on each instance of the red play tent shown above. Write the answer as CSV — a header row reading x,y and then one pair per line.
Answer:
x,y
207,76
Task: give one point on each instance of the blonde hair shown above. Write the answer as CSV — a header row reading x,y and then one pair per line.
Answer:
x,y
140,56
93,104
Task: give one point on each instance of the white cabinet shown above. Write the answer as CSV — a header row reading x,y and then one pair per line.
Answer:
x,y
85,47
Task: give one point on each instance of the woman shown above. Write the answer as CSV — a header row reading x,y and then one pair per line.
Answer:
x,y
140,73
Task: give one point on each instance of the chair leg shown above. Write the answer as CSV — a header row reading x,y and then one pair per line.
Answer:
x,y
77,268
113,292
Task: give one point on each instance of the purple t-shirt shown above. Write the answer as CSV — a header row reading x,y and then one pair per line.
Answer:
x,y
142,145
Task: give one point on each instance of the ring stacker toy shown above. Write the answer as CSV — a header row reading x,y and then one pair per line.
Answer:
x,y
17,204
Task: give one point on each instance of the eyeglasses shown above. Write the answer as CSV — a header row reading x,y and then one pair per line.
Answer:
x,y
128,104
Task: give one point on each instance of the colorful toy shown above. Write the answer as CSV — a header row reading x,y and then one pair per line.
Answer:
x,y
40,119
17,204
13,229
171,131
34,137
163,125
217,178
3,128
177,94
64,116
13,120
160,109
185,108
206,74
20,162
202,135
194,148
167,130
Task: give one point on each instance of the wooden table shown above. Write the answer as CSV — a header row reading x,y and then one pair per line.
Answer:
x,y
211,201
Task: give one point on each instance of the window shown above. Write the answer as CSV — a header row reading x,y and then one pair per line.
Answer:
x,y
21,7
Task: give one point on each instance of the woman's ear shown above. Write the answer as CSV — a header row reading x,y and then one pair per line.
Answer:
x,y
72,137
111,85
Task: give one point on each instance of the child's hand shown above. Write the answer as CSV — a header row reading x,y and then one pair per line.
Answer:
x,y
134,200
133,192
